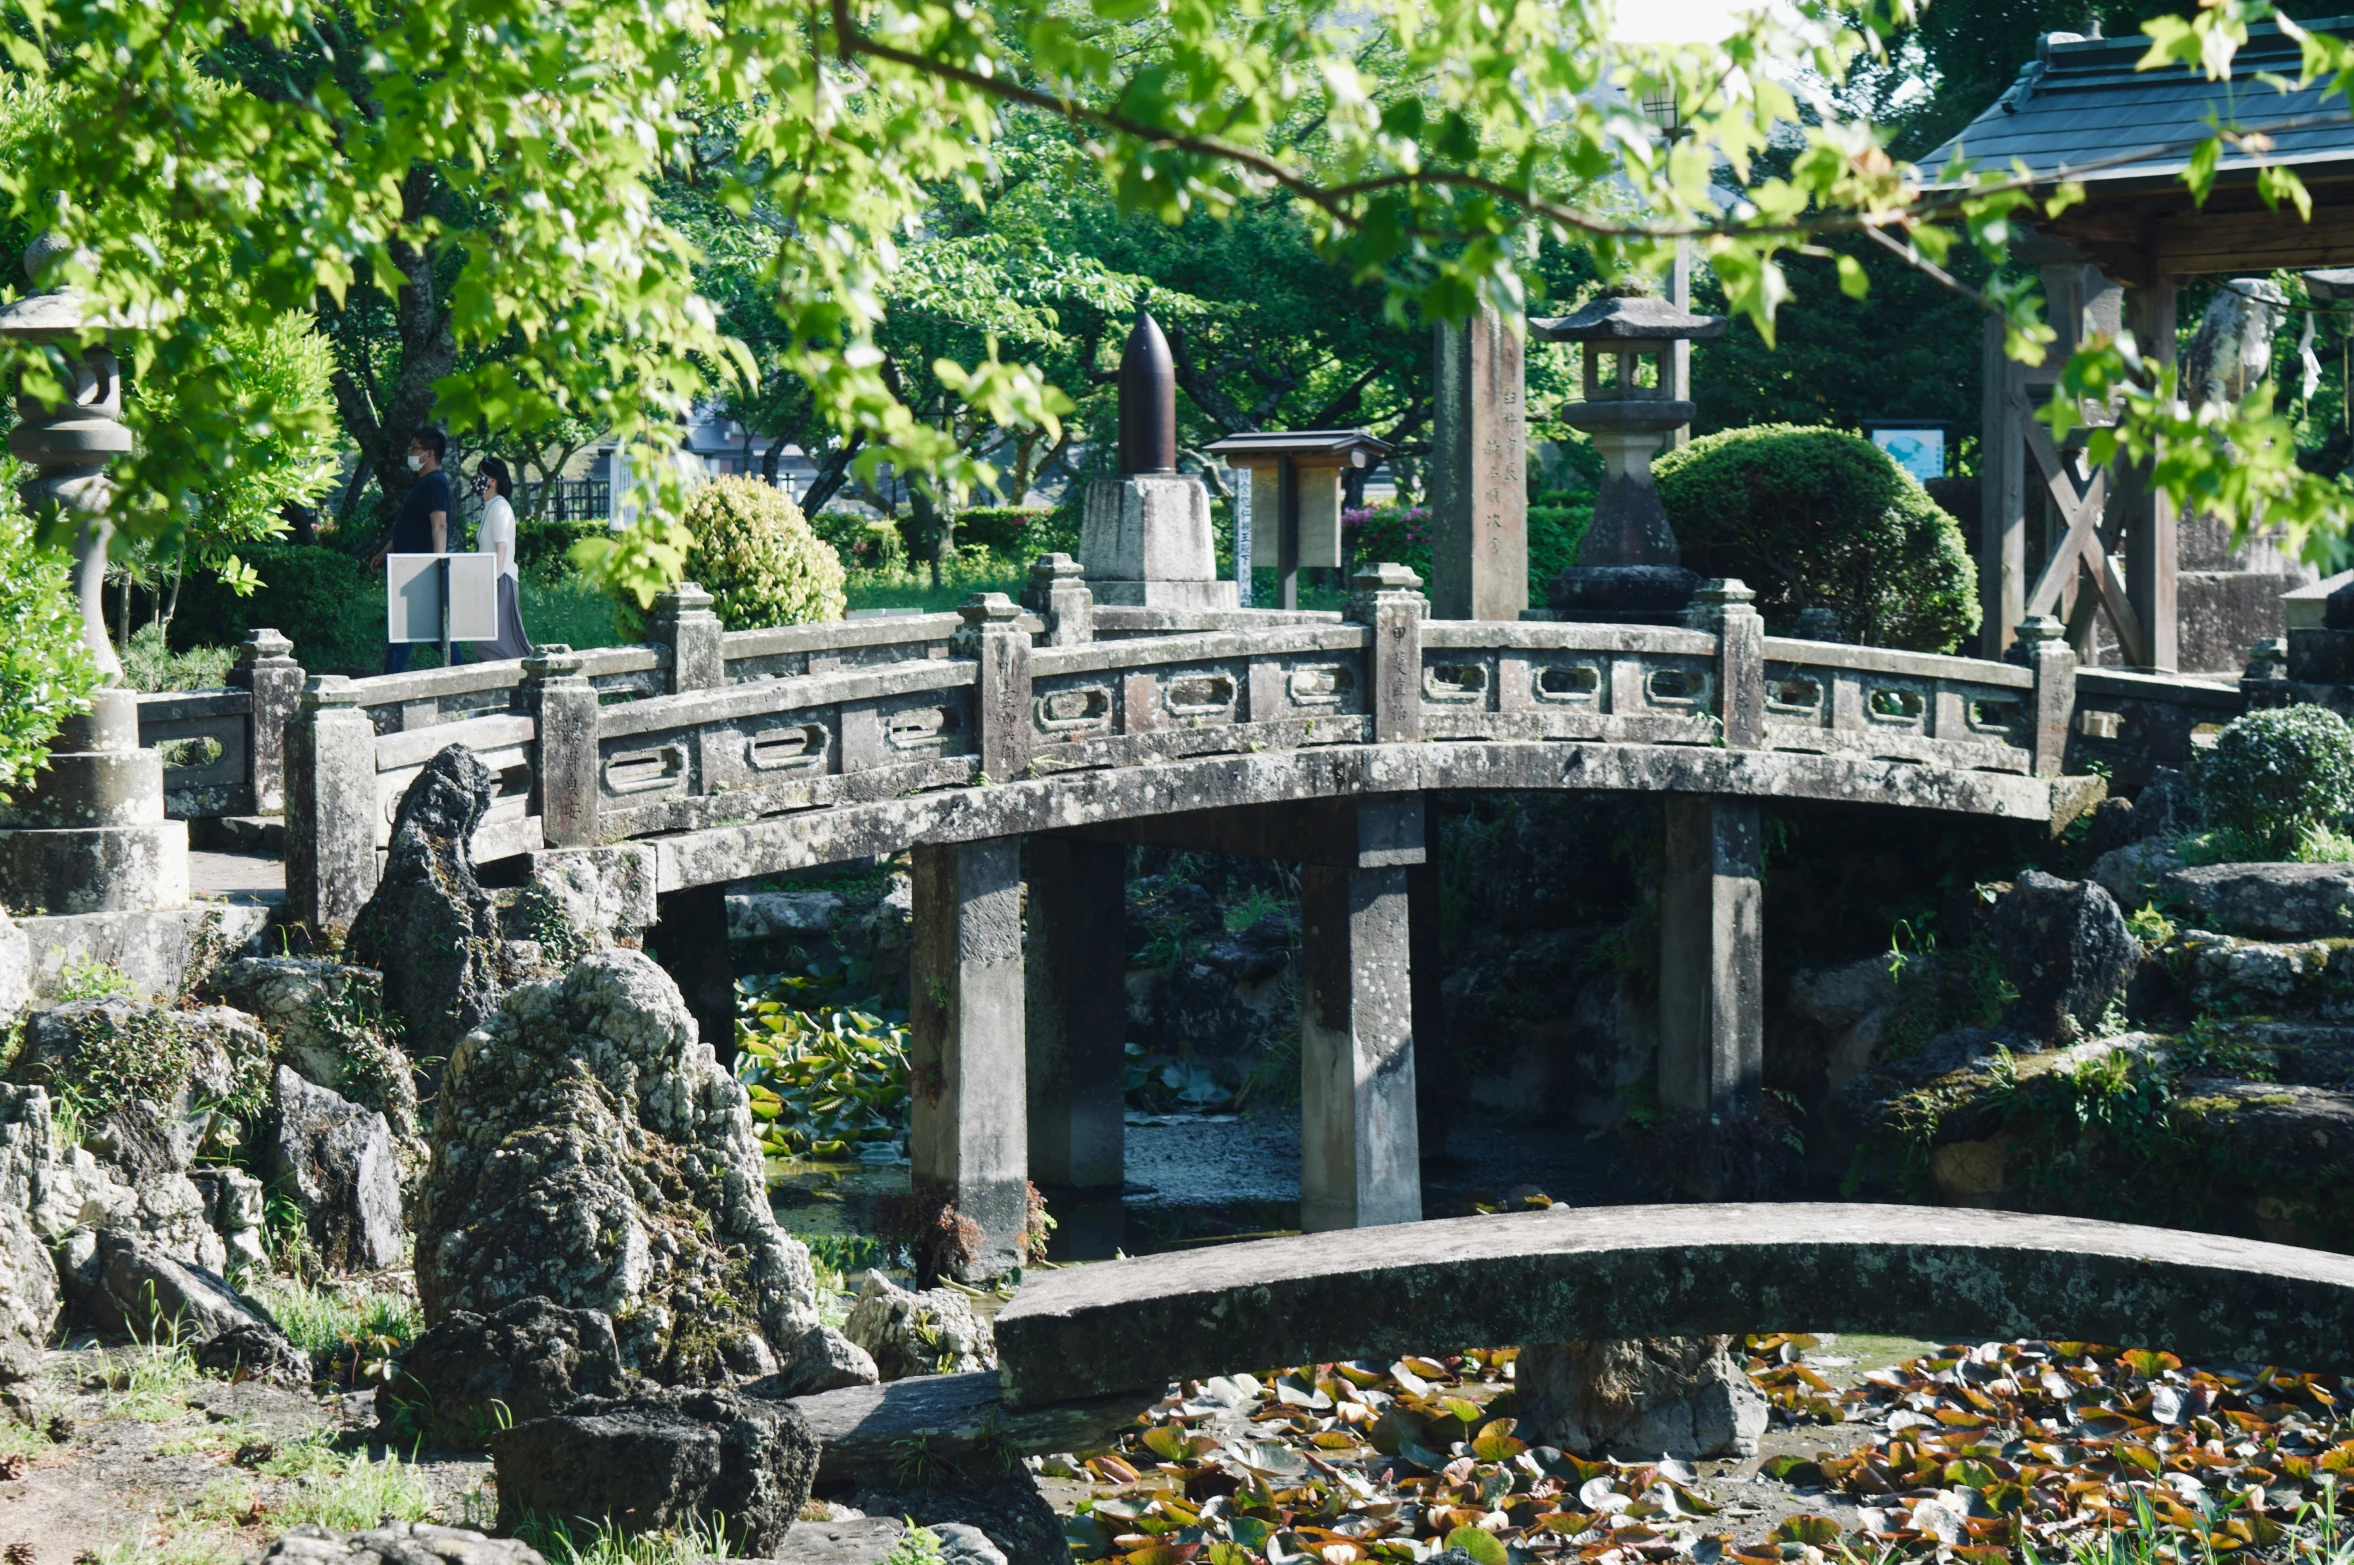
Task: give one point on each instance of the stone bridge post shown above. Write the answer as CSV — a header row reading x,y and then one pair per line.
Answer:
x,y
2043,647
969,1140
1360,1145
1058,594
274,680
331,806
682,621
1711,901
564,773
993,637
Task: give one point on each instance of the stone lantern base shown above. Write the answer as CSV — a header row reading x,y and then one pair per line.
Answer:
x,y
89,836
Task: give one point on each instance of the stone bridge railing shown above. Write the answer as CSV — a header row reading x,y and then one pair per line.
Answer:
x,y
705,730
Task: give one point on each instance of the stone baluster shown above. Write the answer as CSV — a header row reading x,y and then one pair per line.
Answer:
x,y
2043,647
993,637
266,669
968,1139
331,806
1057,593
564,778
1388,599
1725,608
682,621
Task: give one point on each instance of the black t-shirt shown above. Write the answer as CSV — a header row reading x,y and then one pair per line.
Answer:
x,y
412,530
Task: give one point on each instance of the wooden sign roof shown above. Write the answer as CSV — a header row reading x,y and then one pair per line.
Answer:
x,y
2080,110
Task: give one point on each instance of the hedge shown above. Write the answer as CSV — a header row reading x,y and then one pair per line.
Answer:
x,y
321,599
1819,518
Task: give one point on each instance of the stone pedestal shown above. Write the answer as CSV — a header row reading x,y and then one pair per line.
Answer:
x,y
1629,570
1146,542
89,835
1711,957
969,1140
1077,1013
1360,1145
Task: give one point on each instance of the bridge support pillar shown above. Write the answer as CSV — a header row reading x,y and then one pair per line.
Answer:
x,y
1360,1149
1711,957
970,1142
1077,1013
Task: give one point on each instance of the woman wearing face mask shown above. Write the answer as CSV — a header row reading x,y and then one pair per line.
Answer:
x,y
496,535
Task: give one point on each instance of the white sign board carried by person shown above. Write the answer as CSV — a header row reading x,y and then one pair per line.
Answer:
x,y
441,598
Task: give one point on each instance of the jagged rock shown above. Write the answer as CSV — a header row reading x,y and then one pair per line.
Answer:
x,y
1848,1005
588,1150
2136,873
233,1209
930,1333
395,1543
2269,901
251,1351
1684,1396
1005,1508
1260,952
454,1386
115,1280
663,1461
60,1187
337,1162
116,1052
825,1360
2064,946
328,1019
430,928
584,899
2232,977
28,1297
963,1545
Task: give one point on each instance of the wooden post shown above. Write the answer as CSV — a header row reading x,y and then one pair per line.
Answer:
x,y
1287,533
2150,559
2002,502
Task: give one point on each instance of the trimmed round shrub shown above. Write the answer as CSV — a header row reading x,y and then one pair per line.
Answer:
x,y
2275,776
758,559
1818,518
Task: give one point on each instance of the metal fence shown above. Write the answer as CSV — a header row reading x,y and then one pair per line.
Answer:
x,y
572,500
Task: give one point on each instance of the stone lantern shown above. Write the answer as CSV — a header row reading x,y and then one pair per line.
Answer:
x,y
1628,569
88,835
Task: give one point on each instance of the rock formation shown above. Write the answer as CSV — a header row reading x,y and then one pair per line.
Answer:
x,y
1637,1398
461,1381
930,1333
336,1161
328,1021
590,1151
2064,946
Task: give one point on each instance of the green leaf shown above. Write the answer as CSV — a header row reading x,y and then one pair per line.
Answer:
x,y
1485,1548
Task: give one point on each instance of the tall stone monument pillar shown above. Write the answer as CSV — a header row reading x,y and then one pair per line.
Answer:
x,y
89,835
1479,472
1145,539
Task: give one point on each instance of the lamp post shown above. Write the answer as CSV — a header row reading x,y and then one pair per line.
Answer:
x,y
89,836
1629,568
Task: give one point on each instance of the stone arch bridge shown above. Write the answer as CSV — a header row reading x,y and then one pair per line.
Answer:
x,y
1077,728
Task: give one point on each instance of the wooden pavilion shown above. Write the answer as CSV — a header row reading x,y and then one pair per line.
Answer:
x,y
2080,110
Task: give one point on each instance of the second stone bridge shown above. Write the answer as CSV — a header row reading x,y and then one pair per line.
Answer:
x,y
1078,729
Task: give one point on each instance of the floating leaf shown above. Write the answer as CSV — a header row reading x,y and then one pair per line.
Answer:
x,y
1483,1547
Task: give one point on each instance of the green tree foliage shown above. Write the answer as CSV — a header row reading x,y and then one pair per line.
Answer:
x,y
1816,518
758,559
2276,776
46,673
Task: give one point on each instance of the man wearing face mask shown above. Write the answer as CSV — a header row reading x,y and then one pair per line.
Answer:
x,y
423,525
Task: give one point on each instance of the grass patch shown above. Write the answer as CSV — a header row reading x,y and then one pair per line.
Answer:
x,y
193,1548
347,1492
559,607
595,1543
152,1381
330,1323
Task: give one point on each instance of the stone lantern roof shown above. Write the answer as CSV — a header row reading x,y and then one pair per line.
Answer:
x,y
1635,318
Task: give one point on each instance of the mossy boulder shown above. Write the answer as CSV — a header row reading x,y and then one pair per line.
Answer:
x,y
588,1149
